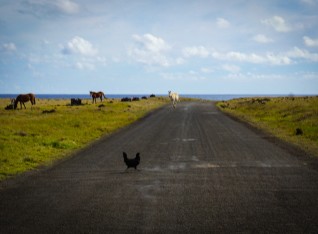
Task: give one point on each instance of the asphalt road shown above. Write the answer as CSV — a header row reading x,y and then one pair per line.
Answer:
x,y
200,172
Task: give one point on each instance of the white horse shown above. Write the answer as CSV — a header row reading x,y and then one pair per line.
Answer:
x,y
174,97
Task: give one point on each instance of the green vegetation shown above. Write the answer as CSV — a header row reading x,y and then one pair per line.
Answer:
x,y
292,119
53,128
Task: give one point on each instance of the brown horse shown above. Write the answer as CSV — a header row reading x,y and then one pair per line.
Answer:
x,y
95,95
22,98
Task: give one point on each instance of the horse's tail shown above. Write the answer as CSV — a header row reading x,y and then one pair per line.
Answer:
x,y
32,98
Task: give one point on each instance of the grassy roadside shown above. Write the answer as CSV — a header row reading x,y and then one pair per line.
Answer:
x,y
292,119
52,129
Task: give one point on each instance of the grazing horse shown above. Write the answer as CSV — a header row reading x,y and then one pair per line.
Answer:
x,y
22,98
95,95
174,97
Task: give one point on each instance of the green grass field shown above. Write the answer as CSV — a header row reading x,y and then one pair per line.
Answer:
x,y
280,117
52,129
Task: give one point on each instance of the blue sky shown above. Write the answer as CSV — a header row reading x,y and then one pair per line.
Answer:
x,y
144,46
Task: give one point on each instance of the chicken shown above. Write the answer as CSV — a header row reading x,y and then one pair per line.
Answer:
x,y
133,162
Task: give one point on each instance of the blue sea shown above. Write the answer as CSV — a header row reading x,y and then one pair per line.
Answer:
x,y
212,97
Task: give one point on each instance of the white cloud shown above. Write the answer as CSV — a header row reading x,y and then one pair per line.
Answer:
x,y
278,59
151,43
199,51
231,68
274,59
222,23
151,50
310,42
85,56
243,57
9,47
80,46
260,38
303,54
235,56
278,23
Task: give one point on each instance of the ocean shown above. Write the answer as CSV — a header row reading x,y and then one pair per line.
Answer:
x,y
212,97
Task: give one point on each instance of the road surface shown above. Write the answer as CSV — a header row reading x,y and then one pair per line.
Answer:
x,y
200,172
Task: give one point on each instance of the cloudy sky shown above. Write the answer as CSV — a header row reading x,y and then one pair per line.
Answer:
x,y
148,46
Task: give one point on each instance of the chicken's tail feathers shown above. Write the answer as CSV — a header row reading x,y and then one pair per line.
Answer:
x,y
125,156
